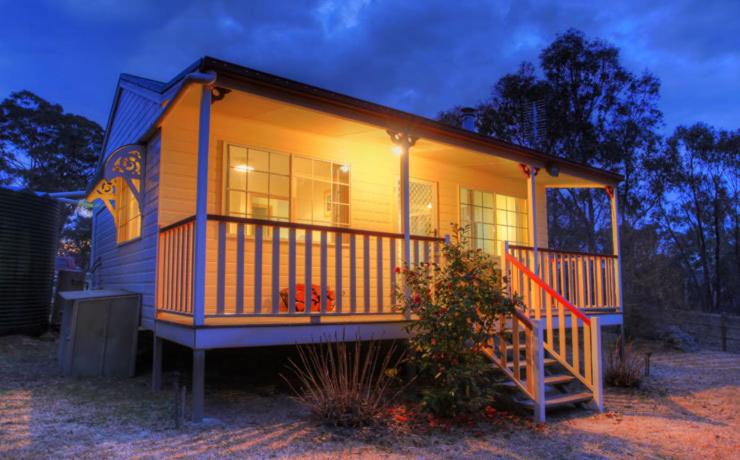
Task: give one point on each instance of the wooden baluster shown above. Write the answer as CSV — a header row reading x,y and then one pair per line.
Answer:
x,y
392,272
240,269
529,353
307,278
258,269
324,268
597,282
353,273
575,342
547,278
426,251
587,354
562,331
221,283
275,269
502,340
379,274
581,284
597,384
179,269
416,252
338,271
515,346
291,270
170,263
191,250
366,272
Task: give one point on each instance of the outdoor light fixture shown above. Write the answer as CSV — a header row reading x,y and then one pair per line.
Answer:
x,y
344,168
397,149
552,169
243,168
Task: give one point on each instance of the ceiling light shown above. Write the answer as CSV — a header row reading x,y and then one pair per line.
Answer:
x,y
243,168
397,149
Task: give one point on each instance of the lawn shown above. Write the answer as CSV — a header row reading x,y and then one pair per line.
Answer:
x,y
688,408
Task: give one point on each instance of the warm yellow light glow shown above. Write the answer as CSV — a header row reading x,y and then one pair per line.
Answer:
x,y
243,168
344,168
429,206
397,149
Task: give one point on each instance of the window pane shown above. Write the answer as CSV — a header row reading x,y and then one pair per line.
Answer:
x,y
464,195
488,216
280,209
279,186
322,211
259,206
341,214
303,192
259,160
257,182
341,194
279,164
302,167
477,198
237,156
322,170
341,173
236,203
500,202
488,200
237,178
501,217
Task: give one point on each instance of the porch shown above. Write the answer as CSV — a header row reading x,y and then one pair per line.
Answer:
x,y
256,272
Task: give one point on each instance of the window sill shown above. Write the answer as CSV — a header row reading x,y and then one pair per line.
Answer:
x,y
128,242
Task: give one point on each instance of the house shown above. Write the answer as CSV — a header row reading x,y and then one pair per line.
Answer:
x,y
252,210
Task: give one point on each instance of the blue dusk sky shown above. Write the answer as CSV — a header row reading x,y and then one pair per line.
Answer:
x,y
422,56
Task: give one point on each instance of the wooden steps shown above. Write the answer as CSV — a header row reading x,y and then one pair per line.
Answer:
x,y
523,364
564,399
559,379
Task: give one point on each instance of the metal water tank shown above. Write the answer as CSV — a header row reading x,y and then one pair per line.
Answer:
x,y
29,235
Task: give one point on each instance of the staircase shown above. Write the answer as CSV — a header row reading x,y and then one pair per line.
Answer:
x,y
550,350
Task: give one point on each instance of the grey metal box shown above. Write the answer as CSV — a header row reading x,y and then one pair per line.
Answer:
x,y
99,333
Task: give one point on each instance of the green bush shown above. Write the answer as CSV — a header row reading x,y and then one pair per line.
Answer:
x,y
457,303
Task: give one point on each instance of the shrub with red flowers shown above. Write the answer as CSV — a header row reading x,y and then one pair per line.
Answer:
x,y
456,303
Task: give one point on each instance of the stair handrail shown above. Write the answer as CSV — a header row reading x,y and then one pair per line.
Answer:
x,y
537,280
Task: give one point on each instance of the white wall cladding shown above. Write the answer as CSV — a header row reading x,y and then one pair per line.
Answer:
x,y
132,265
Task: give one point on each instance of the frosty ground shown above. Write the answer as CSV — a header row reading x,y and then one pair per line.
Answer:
x,y
688,408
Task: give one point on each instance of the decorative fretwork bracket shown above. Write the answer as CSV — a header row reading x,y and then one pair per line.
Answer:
x,y
526,169
104,191
609,191
126,162
402,138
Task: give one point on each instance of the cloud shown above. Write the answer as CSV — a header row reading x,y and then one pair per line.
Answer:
x,y
422,56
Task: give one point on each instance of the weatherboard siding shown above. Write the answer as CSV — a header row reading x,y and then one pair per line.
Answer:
x,y
131,265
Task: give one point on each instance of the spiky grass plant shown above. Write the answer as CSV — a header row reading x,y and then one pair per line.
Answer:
x,y
346,384
624,368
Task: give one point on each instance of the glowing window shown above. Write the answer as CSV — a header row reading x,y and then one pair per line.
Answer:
x,y
128,213
493,219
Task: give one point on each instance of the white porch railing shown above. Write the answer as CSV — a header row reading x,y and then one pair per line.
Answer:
x,y
260,269
588,281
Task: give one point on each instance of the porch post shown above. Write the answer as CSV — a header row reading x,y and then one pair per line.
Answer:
x,y
616,247
201,209
404,142
199,369
531,172
157,363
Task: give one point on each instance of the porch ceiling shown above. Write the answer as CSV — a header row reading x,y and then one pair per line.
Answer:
x,y
297,118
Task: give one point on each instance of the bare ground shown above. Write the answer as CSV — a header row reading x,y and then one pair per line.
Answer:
x,y
688,408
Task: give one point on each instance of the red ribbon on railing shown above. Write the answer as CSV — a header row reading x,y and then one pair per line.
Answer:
x,y
548,289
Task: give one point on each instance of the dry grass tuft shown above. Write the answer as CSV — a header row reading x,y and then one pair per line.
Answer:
x,y
346,384
624,367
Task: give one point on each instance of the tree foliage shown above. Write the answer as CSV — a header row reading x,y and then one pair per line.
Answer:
x,y
44,149
679,199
